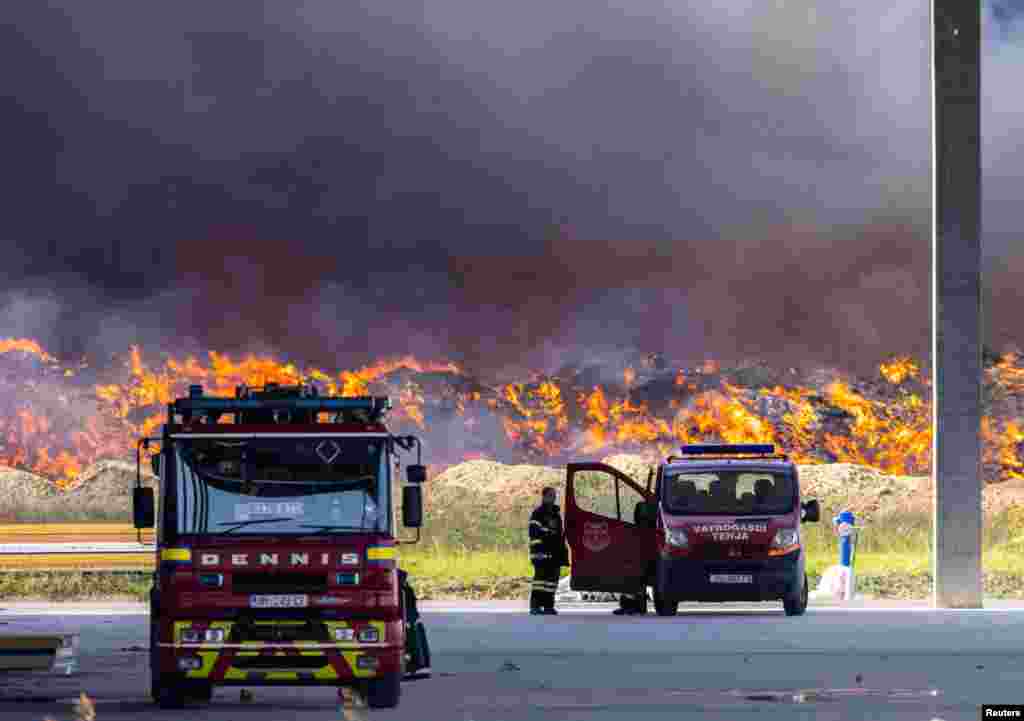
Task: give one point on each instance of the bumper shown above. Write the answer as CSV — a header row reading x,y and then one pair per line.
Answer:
x,y
297,663
686,579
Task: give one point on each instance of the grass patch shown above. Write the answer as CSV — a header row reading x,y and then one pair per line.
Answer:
x,y
469,552
75,585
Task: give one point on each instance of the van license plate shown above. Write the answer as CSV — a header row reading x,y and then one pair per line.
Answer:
x,y
731,578
288,601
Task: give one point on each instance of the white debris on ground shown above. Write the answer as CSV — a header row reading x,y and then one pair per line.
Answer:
x,y
566,595
832,585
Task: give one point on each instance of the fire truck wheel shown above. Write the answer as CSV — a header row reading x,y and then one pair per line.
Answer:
x,y
169,693
797,606
200,691
663,607
384,692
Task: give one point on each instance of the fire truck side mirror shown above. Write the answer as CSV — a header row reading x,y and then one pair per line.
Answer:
x,y
416,474
412,506
143,507
812,512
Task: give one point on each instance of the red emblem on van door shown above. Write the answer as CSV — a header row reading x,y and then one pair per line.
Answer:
x,y
595,536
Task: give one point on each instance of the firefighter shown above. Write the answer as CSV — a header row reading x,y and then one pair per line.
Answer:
x,y
547,553
635,603
632,604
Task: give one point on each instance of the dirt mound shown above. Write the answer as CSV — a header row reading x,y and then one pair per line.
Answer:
x,y
104,487
21,487
108,484
838,486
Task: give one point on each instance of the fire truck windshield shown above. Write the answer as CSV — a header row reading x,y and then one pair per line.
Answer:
x,y
278,486
729,492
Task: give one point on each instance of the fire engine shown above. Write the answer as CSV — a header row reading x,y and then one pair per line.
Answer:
x,y
721,524
276,544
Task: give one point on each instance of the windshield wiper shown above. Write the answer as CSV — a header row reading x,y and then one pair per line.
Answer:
x,y
235,525
326,529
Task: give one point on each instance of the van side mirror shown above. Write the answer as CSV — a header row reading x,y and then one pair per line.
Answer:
x,y
416,474
811,512
412,506
155,462
143,507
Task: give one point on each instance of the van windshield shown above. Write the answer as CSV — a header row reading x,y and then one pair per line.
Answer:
x,y
728,492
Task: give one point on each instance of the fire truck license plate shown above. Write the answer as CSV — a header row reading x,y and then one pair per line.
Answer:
x,y
289,601
731,578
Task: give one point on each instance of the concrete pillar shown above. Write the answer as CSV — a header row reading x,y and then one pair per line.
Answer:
x,y
956,302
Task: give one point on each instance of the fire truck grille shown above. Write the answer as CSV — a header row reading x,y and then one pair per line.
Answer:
x,y
278,583
291,663
281,633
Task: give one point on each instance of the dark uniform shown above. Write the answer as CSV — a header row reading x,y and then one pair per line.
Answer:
x,y
548,554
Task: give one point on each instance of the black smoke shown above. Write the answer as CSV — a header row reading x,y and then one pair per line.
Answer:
x,y
501,187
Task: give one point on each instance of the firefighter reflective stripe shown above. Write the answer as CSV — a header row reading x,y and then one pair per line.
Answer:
x,y
538,524
544,586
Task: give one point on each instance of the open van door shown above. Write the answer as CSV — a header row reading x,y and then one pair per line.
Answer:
x,y
611,551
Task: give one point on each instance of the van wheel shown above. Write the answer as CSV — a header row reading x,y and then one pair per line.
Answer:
x,y
384,692
663,607
797,606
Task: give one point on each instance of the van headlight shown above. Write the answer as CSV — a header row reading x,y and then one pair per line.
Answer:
x,y
676,537
786,537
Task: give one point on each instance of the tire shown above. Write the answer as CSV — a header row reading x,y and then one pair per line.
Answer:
x,y
797,606
663,607
199,691
155,679
170,694
384,692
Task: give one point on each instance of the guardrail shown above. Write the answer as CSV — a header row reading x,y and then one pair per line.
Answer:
x,y
74,547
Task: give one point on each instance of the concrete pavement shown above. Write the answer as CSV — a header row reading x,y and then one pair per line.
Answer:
x,y
492,661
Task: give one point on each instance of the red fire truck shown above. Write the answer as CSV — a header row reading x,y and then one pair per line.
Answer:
x,y
276,548
721,524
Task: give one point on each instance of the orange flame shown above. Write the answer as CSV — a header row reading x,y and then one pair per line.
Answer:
x,y
57,427
899,370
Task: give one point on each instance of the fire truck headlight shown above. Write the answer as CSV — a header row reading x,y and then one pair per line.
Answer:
x,y
344,634
369,635
676,537
189,635
215,635
786,537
